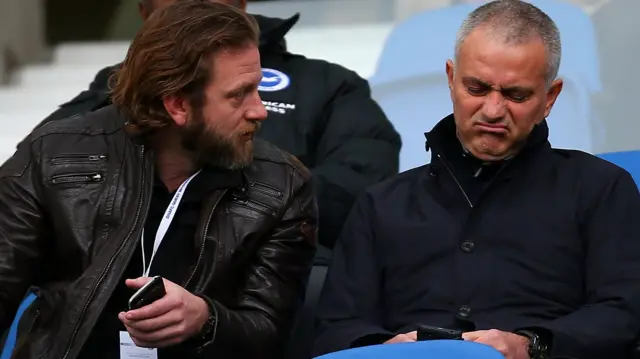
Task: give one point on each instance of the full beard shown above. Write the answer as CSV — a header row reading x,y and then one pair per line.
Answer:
x,y
210,147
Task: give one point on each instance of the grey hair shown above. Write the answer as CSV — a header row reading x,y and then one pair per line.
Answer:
x,y
516,22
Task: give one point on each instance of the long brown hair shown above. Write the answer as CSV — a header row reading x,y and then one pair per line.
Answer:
x,y
170,56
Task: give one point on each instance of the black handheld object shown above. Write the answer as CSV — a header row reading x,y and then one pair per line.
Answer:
x,y
148,294
427,332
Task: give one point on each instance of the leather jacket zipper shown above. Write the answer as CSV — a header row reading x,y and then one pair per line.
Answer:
x,y
255,205
111,260
204,234
444,162
264,188
77,178
78,159
33,324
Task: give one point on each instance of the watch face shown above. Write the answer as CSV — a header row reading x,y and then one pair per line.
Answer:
x,y
208,326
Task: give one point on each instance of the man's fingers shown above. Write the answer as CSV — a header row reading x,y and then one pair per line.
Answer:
x,y
155,309
152,324
473,336
156,337
403,338
137,283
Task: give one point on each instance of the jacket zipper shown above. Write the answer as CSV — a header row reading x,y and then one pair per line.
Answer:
x,y
77,178
33,324
204,234
106,270
261,187
255,205
455,180
78,159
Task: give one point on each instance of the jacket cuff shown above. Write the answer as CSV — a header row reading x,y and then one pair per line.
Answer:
x,y
204,341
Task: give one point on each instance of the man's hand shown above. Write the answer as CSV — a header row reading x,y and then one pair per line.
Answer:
x,y
178,316
403,338
512,346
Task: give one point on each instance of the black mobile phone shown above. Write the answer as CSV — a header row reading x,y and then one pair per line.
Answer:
x,y
148,294
427,332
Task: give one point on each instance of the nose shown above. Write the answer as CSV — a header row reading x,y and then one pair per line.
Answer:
x,y
257,111
494,106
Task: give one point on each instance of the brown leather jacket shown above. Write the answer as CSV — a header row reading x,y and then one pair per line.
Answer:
x,y
73,200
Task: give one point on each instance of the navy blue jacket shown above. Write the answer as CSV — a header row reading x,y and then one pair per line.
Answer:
x,y
549,240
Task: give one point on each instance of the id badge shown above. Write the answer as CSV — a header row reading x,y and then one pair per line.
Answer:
x,y
128,349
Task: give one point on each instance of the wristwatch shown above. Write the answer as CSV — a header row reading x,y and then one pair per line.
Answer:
x,y
538,349
207,332
207,329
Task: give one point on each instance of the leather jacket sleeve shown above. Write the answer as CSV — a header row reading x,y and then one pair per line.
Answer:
x,y
21,229
275,286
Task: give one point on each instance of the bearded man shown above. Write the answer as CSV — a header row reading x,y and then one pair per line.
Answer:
x,y
168,181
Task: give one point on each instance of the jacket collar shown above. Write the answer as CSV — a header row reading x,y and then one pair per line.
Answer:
x,y
443,138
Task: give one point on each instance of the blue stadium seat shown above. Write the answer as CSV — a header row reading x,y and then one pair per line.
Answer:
x,y
433,349
10,342
411,85
303,333
629,160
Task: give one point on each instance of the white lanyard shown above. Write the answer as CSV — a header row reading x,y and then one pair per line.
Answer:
x,y
164,225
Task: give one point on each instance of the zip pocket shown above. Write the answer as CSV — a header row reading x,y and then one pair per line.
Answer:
x,y
266,189
251,204
78,159
78,178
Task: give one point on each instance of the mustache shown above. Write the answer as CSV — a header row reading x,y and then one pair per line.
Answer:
x,y
253,126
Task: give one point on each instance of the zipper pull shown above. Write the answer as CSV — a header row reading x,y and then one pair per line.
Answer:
x,y
97,177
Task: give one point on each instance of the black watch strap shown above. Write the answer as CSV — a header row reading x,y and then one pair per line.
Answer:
x,y
538,348
207,328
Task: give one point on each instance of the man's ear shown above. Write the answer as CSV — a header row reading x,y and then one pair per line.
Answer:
x,y
178,108
449,69
552,96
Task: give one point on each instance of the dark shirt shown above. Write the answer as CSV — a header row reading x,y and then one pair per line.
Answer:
x,y
173,260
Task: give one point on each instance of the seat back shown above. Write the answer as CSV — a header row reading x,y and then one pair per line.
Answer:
x,y
302,336
629,160
410,83
433,349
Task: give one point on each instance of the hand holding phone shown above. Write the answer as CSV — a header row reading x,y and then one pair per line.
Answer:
x,y
427,332
148,293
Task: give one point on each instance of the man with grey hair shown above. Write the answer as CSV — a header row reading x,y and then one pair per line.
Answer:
x,y
532,250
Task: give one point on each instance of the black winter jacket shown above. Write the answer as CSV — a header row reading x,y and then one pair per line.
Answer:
x,y
549,240
318,111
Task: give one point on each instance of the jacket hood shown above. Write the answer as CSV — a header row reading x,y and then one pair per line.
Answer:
x,y
273,30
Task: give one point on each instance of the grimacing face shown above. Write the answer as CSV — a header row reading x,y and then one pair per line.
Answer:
x,y
220,131
499,93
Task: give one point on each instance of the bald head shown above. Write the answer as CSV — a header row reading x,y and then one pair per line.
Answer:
x,y
147,7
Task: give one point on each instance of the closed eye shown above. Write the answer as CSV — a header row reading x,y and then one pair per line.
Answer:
x,y
477,90
516,95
